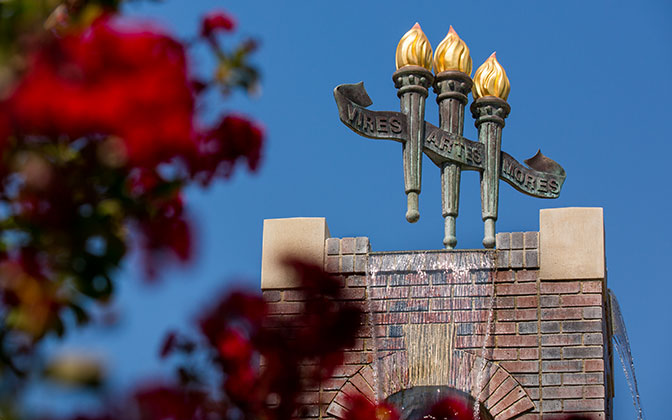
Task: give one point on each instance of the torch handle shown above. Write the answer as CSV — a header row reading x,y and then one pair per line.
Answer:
x,y
450,201
452,88
412,83
490,134
490,113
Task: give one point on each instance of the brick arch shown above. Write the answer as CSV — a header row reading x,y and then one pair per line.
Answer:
x,y
361,383
502,395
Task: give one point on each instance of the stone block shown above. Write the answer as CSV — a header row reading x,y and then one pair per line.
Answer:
x,y
301,237
347,263
571,243
517,258
502,259
360,263
333,246
531,240
503,240
348,246
362,245
531,258
332,264
517,241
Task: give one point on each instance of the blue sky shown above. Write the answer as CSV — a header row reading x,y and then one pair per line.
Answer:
x,y
590,86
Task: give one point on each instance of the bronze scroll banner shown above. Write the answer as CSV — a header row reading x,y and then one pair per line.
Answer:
x,y
543,178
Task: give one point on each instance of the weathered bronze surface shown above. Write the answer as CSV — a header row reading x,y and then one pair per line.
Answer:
x,y
352,101
489,113
412,83
542,177
452,88
445,145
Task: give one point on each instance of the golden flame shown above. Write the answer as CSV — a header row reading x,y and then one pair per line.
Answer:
x,y
490,80
452,54
414,49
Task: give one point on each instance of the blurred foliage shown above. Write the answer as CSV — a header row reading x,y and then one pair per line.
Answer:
x,y
26,23
99,135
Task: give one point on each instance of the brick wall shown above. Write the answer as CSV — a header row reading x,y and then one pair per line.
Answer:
x,y
547,352
347,260
565,326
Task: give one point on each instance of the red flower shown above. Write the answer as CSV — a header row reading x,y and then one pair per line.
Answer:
x,y
234,348
112,79
217,21
169,230
250,307
235,137
240,384
238,307
142,181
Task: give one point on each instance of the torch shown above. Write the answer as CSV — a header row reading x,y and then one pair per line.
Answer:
x,y
412,79
452,64
489,109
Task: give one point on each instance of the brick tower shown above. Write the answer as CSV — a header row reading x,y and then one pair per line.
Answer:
x,y
524,329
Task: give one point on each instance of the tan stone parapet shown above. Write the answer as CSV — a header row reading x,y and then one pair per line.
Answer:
x,y
298,237
571,243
